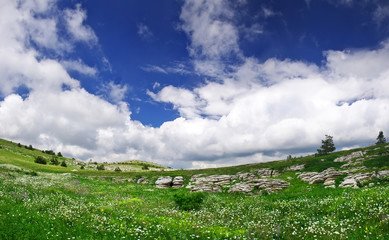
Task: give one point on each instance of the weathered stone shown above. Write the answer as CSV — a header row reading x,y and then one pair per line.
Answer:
x,y
178,182
329,181
315,177
363,177
351,183
204,187
267,172
246,176
349,157
271,185
307,176
143,180
242,187
295,168
383,174
164,182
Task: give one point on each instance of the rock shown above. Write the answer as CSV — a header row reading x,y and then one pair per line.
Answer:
x,y
330,186
178,182
307,176
371,184
363,177
164,182
267,172
295,168
143,180
242,187
194,177
349,157
349,183
271,185
204,187
246,176
210,184
383,174
329,181
315,177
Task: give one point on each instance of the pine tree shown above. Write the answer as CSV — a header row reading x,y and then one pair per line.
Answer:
x,y
381,139
327,146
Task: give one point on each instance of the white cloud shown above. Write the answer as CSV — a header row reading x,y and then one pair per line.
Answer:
x,y
79,66
249,112
144,31
75,25
115,92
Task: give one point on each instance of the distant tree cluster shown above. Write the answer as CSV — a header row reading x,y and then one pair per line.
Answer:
x,y
100,167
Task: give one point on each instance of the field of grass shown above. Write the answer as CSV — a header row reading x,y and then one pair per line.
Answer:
x,y
52,202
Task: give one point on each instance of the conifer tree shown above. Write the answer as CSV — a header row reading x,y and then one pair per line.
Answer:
x,y
327,146
381,139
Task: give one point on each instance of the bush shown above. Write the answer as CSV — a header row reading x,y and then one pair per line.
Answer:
x,y
100,167
54,161
63,164
117,169
82,167
190,201
59,154
40,160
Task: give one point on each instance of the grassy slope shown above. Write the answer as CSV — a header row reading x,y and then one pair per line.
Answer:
x,y
82,205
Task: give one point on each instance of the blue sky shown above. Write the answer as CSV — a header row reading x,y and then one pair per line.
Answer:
x,y
193,84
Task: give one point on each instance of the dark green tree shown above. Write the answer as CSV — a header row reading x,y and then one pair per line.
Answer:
x,y
59,154
327,146
100,167
40,160
380,139
54,161
63,164
117,169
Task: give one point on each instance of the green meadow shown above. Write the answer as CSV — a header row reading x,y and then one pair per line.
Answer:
x,y
52,202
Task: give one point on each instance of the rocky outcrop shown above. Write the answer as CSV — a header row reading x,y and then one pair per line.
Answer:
x,y
349,157
164,182
242,187
211,183
246,176
316,177
270,185
266,172
178,182
383,174
295,168
143,180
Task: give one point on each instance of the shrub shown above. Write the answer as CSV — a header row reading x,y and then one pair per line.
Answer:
x,y
82,167
40,160
63,164
100,167
190,201
145,167
59,154
117,169
54,161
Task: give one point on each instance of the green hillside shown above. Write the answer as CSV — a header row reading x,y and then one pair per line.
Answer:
x,y
45,201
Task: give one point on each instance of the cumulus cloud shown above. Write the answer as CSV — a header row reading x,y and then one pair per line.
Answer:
x,y
249,111
75,25
79,66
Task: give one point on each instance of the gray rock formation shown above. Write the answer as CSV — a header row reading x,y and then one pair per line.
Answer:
x,y
295,168
383,174
242,187
178,182
349,157
267,172
143,180
271,185
351,183
211,183
164,182
315,177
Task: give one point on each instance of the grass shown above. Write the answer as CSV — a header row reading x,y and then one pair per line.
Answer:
x,y
51,202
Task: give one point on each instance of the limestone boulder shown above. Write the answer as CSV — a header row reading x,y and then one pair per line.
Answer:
x,y
349,157
164,182
178,182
